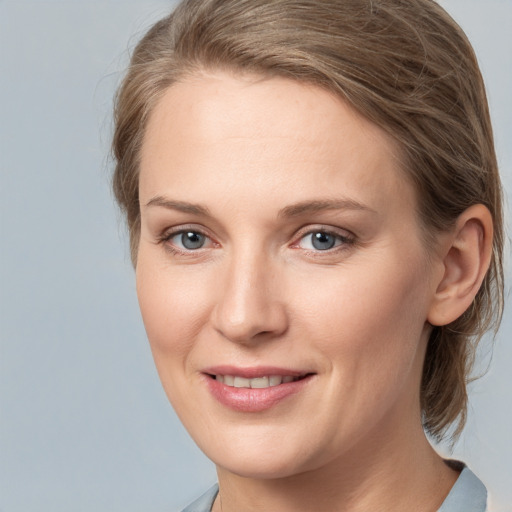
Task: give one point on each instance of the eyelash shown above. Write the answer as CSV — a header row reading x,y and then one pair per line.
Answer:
x,y
344,241
164,239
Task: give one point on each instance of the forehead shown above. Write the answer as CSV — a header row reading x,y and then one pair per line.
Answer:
x,y
246,131
255,107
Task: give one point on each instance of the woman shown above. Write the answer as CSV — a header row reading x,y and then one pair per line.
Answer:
x,y
315,218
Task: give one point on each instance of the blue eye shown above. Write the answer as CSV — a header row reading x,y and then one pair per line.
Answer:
x,y
322,241
190,240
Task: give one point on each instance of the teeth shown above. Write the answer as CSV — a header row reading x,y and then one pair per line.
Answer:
x,y
261,382
256,383
275,380
240,382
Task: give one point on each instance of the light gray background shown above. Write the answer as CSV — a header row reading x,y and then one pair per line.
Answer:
x,y
84,424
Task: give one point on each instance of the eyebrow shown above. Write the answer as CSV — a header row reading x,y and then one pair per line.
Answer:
x,y
181,206
315,206
293,210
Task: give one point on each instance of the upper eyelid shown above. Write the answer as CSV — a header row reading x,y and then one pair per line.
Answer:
x,y
177,230
309,228
331,230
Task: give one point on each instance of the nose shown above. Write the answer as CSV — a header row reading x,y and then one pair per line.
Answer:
x,y
250,304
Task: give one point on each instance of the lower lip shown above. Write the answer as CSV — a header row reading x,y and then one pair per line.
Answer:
x,y
254,400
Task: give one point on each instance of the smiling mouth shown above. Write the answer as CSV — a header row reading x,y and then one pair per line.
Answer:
x,y
258,382
255,389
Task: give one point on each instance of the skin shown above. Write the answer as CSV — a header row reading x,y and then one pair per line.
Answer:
x,y
259,293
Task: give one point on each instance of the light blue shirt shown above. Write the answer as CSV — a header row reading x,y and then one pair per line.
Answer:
x,y
467,495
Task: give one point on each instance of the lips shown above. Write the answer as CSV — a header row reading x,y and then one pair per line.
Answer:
x,y
254,389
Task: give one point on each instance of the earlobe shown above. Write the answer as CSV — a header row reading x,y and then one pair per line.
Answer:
x,y
466,253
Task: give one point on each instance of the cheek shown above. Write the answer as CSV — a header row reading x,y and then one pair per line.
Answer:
x,y
174,306
368,321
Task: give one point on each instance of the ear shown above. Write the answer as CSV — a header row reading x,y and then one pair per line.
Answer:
x,y
466,255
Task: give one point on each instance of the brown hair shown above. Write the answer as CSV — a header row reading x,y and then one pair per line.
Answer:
x,y
403,64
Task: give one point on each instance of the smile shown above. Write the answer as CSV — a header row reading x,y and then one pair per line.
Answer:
x,y
254,389
256,383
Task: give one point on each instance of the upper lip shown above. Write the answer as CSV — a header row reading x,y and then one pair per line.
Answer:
x,y
254,371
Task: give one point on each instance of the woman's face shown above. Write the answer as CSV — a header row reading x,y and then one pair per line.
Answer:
x,y
281,274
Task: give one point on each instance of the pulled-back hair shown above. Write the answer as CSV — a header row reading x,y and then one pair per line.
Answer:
x,y
406,66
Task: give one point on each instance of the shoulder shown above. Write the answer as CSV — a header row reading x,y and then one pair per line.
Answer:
x,y
205,502
467,495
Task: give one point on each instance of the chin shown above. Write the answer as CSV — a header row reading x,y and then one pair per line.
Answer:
x,y
266,468
270,459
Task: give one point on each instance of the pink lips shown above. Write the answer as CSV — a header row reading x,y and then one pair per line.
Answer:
x,y
251,399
